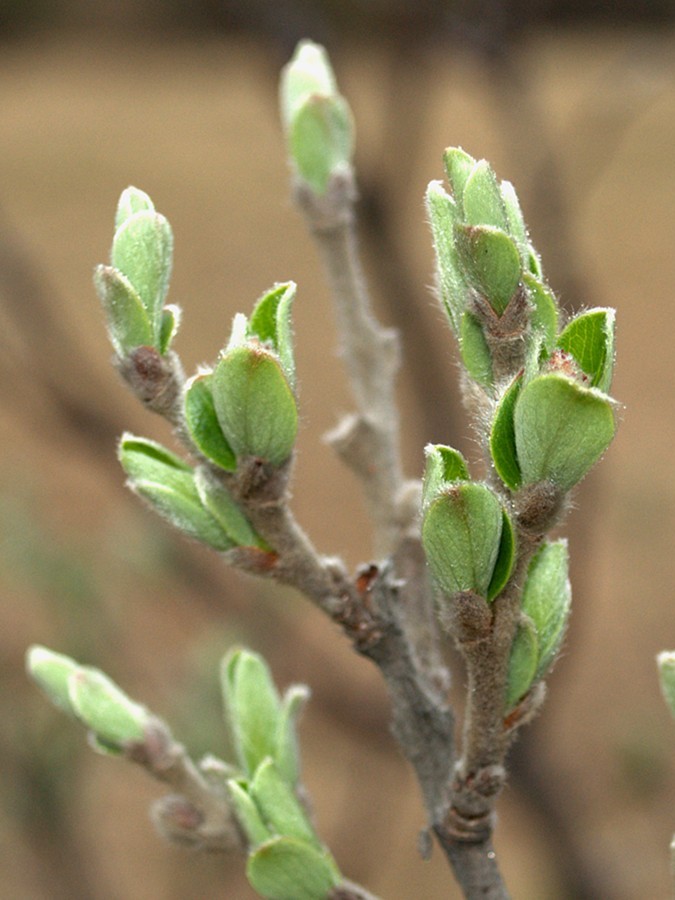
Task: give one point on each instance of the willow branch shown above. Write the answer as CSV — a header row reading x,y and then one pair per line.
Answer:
x,y
369,441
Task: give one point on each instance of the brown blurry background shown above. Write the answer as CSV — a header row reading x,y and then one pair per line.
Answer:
x,y
577,108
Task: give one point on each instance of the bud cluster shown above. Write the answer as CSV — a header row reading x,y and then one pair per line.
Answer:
x,y
550,416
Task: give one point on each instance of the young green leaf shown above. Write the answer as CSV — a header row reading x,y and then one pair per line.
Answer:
x,y
287,753
522,663
220,503
503,436
285,868
461,533
271,323
132,200
458,166
589,338
142,250
168,329
52,671
254,404
279,807
547,598
475,351
514,217
544,318
443,215
561,430
247,813
491,263
505,558
317,118
482,199
127,319
167,483
252,707
104,708
443,466
202,423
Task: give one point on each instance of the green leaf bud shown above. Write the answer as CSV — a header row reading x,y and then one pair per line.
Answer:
x,y
443,216
202,423
666,666
505,558
547,598
252,707
142,251
561,430
285,868
544,318
458,166
316,117
127,319
589,338
475,352
132,200
247,813
286,750
491,263
254,403
482,200
514,216
220,503
169,325
522,663
51,671
546,605
279,807
104,708
167,483
503,436
271,323
461,534
443,466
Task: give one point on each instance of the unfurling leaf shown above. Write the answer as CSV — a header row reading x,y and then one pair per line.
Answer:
x,y
316,117
202,423
286,868
168,484
561,430
461,534
255,404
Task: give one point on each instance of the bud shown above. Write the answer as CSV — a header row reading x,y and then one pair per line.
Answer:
x,y
491,263
285,868
546,603
254,403
444,465
132,200
316,117
202,423
51,671
589,338
126,317
247,813
279,807
134,286
561,429
105,709
217,500
467,537
167,483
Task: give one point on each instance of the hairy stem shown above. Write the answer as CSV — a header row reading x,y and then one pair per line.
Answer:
x,y
369,441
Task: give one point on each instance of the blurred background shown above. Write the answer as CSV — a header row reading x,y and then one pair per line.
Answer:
x,y
575,103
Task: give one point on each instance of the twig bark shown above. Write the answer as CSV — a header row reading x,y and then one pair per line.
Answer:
x,y
369,441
